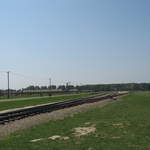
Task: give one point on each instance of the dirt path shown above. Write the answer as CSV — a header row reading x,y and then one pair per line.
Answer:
x,y
42,118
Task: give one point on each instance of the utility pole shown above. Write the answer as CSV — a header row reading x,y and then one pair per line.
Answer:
x,y
67,86
50,83
8,85
50,86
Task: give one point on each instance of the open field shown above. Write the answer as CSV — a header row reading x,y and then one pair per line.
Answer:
x,y
29,96
20,96
32,102
119,126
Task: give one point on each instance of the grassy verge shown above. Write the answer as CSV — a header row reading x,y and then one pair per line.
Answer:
x,y
21,96
32,102
123,125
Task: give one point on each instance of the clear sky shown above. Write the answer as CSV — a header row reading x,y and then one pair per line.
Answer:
x,y
81,41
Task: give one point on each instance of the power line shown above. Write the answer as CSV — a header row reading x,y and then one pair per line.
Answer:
x,y
30,78
8,83
50,83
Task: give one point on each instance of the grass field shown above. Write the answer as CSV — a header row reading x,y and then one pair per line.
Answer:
x,y
20,96
123,125
32,102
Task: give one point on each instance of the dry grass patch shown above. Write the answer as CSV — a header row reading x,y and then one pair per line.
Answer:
x,y
120,125
54,137
82,131
37,140
58,137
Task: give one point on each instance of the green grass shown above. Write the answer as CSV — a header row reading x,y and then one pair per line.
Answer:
x,y
127,119
21,96
32,102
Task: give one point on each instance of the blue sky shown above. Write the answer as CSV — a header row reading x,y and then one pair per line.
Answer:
x,y
81,41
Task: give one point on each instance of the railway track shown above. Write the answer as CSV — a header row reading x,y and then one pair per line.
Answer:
x,y
20,113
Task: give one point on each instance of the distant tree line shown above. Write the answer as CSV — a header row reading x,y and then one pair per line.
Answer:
x,y
117,87
98,87
32,87
52,87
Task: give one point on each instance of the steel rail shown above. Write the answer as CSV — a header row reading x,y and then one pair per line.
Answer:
x,y
25,112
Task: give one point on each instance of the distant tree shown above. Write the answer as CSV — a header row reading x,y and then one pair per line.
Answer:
x,y
37,88
43,88
62,87
31,87
116,87
52,87
70,87
1,93
98,87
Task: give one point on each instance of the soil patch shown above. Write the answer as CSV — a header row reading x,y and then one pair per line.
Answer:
x,y
82,131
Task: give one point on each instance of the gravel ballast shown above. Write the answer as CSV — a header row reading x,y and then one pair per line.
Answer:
x,y
29,122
